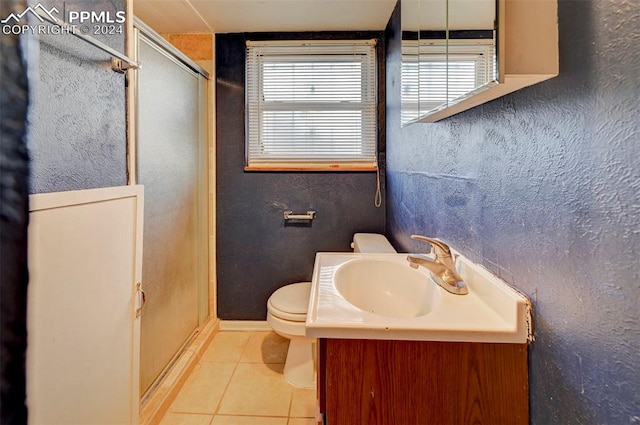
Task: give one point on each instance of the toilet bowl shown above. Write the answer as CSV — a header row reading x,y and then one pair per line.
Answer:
x,y
287,313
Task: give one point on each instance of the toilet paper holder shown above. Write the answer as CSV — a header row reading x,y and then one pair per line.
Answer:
x,y
289,215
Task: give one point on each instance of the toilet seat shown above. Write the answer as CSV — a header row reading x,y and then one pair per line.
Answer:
x,y
290,302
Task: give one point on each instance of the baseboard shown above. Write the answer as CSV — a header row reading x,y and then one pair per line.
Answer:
x,y
244,325
156,404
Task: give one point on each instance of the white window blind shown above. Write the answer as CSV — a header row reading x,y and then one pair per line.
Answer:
x,y
311,105
429,81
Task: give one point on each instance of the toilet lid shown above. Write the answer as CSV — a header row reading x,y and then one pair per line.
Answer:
x,y
292,298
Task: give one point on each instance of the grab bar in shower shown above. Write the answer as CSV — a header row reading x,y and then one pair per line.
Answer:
x,y
289,215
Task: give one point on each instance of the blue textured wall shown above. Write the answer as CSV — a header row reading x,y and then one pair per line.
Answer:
x,y
543,188
256,252
77,133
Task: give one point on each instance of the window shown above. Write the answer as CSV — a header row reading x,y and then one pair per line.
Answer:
x,y
311,105
429,81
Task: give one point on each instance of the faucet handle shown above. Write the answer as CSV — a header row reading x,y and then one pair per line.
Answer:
x,y
441,249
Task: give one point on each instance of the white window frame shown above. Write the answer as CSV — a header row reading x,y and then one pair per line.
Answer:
x,y
355,150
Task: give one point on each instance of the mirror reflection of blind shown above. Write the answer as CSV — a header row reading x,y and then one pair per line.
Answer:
x,y
429,81
311,103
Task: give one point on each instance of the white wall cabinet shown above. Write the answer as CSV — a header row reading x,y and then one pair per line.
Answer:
x,y
526,42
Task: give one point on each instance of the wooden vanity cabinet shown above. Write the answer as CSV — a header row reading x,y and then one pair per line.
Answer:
x,y
380,382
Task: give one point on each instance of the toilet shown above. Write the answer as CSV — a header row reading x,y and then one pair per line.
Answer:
x,y
287,313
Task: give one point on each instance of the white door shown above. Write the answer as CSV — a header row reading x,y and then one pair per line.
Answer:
x,y
85,252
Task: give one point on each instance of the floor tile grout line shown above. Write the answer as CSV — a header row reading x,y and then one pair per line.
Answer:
x,y
226,387
246,344
291,403
251,335
202,358
236,363
237,415
198,365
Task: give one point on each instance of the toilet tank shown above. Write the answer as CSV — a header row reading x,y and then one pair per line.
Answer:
x,y
371,242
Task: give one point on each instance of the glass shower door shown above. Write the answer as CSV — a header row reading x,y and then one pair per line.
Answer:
x,y
171,149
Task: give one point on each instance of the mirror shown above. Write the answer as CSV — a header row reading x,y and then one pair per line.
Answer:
x,y
410,80
448,54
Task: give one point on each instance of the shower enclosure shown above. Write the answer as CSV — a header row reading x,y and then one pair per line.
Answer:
x,y
169,157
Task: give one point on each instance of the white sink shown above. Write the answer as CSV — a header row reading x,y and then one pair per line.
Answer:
x,y
378,296
386,288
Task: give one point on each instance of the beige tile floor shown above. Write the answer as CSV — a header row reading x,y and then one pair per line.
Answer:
x,y
239,381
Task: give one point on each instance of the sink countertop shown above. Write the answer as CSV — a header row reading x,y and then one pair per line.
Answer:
x,y
491,312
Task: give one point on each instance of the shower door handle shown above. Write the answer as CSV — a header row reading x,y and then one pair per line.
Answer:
x,y
142,298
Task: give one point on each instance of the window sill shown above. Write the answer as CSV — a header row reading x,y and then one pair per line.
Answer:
x,y
311,167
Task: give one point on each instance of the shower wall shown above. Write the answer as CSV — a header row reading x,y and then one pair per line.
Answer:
x,y
78,132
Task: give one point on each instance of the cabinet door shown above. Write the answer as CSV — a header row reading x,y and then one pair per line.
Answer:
x,y
381,382
85,250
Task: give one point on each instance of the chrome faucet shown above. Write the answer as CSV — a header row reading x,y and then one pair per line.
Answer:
x,y
443,269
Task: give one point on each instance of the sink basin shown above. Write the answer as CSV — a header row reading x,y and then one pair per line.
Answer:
x,y
386,288
378,296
